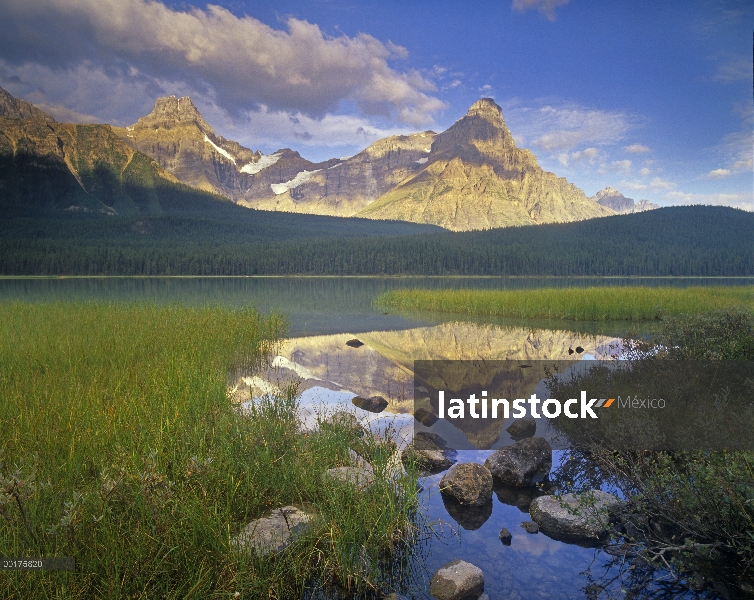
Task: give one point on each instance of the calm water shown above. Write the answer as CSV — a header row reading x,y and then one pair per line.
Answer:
x,y
324,313
313,305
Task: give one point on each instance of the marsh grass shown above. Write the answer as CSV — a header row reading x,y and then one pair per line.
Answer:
x,y
119,447
578,304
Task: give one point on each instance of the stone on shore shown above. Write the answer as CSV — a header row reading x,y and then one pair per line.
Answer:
x,y
274,531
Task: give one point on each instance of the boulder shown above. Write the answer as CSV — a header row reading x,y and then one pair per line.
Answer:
x,y
375,404
468,483
457,580
523,464
354,343
274,531
429,452
568,520
523,428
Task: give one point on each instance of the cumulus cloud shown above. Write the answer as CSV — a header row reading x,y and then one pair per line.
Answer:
x,y
637,148
544,7
718,174
644,171
589,155
240,61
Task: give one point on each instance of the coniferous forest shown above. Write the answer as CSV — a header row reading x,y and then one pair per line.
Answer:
x,y
183,231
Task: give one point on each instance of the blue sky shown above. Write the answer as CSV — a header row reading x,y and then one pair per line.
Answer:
x,y
652,98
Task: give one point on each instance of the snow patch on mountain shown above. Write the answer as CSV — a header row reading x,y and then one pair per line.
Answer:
x,y
267,160
302,177
225,153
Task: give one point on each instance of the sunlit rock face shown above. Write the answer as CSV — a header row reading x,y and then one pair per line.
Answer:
x,y
383,365
471,176
476,178
176,135
351,184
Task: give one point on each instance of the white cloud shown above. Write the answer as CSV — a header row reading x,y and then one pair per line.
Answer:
x,y
566,127
655,184
718,174
239,61
485,89
644,171
544,7
636,148
588,155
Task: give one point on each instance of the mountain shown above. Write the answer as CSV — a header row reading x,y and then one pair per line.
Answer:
x,y
613,199
15,108
472,176
180,140
352,183
50,166
476,178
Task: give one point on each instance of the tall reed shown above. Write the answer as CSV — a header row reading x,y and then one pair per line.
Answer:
x,y
578,304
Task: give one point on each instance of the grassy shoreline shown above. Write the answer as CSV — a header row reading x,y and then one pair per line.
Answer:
x,y
119,447
610,303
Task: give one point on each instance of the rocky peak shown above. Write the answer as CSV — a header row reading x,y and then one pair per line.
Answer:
x,y
608,191
487,109
482,136
173,112
15,108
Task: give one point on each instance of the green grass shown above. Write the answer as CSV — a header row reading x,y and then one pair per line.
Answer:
x,y
119,447
578,304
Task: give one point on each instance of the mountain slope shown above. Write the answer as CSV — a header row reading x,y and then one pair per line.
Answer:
x,y
183,143
352,183
15,108
476,178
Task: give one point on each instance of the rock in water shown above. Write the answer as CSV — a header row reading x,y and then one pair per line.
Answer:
x,y
568,520
274,531
505,536
525,463
523,428
530,527
375,404
468,483
457,580
425,417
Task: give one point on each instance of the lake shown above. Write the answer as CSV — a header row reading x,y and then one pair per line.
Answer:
x,y
325,313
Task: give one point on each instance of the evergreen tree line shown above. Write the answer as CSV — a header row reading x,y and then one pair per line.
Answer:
x,y
677,241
